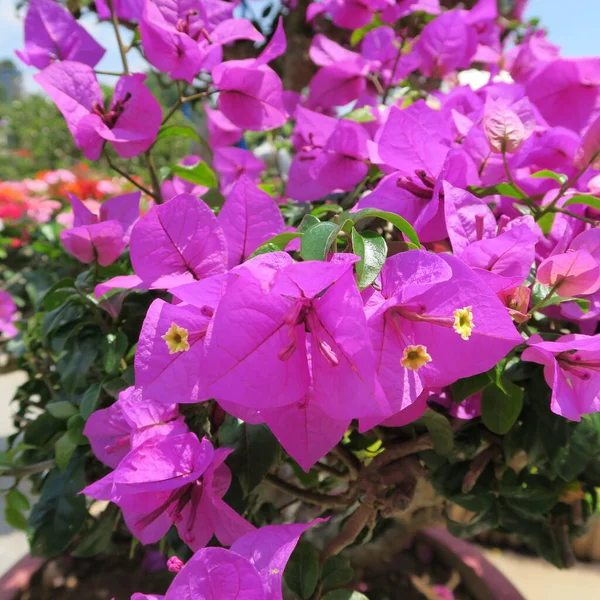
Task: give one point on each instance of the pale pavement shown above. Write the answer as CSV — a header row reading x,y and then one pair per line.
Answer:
x,y
534,578
13,544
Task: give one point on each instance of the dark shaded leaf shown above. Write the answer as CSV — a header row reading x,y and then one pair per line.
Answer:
x,y
255,451
302,571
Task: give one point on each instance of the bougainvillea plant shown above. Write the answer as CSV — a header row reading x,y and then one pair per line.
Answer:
x,y
371,293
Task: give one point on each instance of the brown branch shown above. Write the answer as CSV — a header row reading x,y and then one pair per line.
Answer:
x,y
350,531
324,500
575,215
331,471
128,177
348,459
153,176
397,451
477,467
29,469
560,529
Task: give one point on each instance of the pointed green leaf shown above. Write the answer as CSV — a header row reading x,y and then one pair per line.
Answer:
x,y
200,174
372,249
318,240
396,220
583,199
547,174
302,571
500,410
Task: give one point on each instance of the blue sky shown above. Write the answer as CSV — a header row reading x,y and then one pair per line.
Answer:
x,y
573,25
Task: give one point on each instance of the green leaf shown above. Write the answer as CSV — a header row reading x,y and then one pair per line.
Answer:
x,y
276,243
359,34
62,409
302,571
308,222
504,189
167,131
200,174
547,174
440,430
546,222
482,522
396,220
317,241
58,293
255,451
531,501
90,400
572,458
500,410
79,354
99,538
114,347
326,208
336,572
583,199
15,518
16,504
64,448
17,500
268,188
360,115
68,312
474,502
43,429
372,249
344,595
61,510
463,388
75,427
540,291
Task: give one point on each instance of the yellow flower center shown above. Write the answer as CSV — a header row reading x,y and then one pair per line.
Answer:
x,y
463,322
415,357
176,339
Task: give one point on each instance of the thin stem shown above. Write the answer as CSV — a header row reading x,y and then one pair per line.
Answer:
x,y
111,73
388,87
29,469
197,96
154,176
307,496
512,181
128,177
183,100
177,104
375,81
564,189
349,200
122,50
547,297
575,215
350,531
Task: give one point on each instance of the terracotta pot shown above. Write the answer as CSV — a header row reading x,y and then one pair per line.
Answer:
x,y
483,580
17,578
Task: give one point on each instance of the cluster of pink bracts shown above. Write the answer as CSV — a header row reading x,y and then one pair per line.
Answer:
x,y
298,345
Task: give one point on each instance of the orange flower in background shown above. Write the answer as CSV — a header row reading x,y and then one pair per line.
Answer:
x,y
12,196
